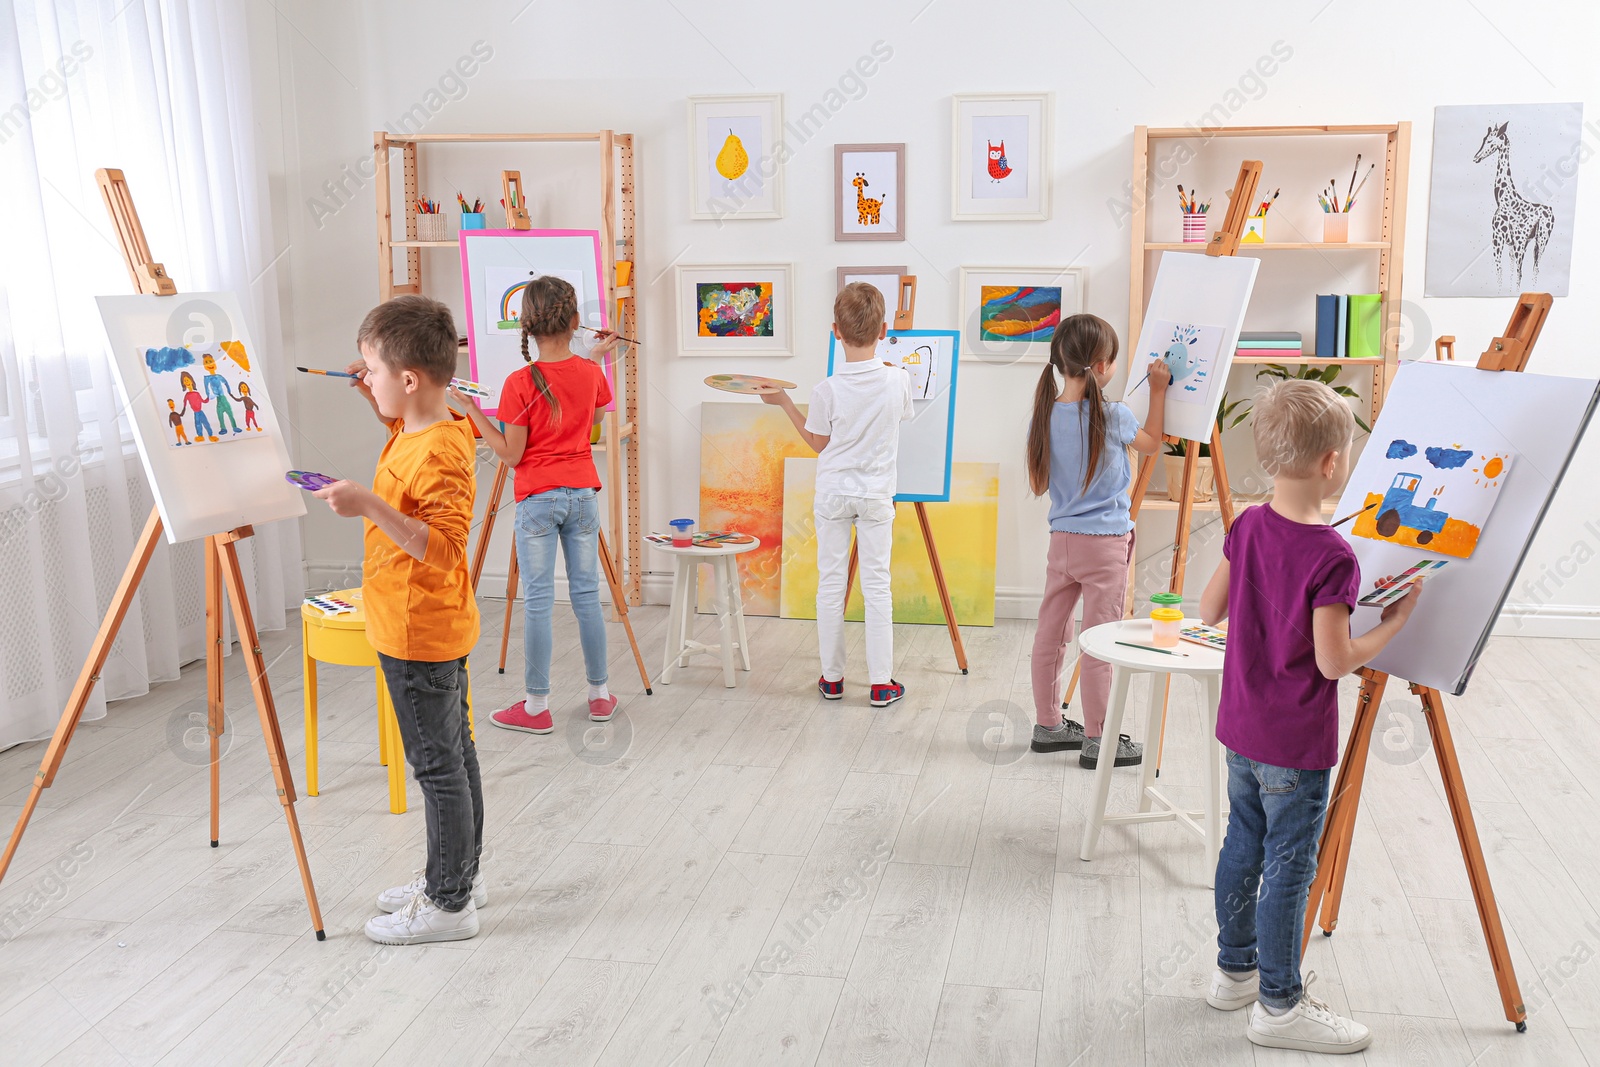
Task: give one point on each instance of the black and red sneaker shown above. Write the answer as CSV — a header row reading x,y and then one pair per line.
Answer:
x,y
884,695
831,690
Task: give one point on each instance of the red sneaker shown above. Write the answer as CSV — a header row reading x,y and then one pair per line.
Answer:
x,y
830,690
516,717
884,695
602,710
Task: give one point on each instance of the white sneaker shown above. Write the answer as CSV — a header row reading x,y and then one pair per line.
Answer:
x,y
1309,1026
394,899
1228,993
421,921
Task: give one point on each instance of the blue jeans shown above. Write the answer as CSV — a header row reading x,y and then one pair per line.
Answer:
x,y
430,706
1264,873
572,517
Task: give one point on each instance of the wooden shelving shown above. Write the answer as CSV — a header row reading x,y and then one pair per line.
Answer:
x,y
1308,361
1271,246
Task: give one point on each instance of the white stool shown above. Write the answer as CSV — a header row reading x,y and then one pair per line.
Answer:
x,y
726,596
1197,661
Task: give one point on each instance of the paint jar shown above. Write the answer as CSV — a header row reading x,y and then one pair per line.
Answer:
x,y
473,220
1255,230
1335,228
682,533
1194,228
432,228
1166,619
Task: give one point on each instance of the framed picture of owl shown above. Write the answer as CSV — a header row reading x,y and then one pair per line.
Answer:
x,y
1000,165
869,192
736,157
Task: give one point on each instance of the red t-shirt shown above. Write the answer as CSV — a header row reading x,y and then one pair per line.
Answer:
x,y
557,456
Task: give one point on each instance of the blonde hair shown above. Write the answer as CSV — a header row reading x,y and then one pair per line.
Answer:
x,y
1080,341
1298,422
858,312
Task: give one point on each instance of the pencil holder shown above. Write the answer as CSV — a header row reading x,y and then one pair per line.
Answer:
x,y
1255,230
472,220
1194,227
1335,228
432,228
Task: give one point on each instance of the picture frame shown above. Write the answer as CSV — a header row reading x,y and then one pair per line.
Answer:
x,y
874,209
728,171
992,180
885,279
721,313
1000,327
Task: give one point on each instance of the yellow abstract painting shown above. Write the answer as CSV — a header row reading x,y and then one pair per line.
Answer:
x,y
964,531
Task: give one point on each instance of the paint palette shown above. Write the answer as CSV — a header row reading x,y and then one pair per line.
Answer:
x,y
331,605
472,389
1209,636
1392,589
749,384
310,481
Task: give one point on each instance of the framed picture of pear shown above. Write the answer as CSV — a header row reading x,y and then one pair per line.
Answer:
x,y
736,156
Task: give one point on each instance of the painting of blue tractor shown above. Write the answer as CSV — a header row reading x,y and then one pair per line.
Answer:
x,y
1399,509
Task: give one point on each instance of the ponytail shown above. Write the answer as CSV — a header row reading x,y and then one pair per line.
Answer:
x,y
549,307
1079,343
541,383
1044,400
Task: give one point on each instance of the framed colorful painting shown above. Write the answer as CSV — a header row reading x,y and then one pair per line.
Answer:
x,y
1000,156
736,156
743,310
1010,313
869,192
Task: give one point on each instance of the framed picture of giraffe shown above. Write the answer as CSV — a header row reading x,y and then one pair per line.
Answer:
x,y
1503,198
1000,157
869,192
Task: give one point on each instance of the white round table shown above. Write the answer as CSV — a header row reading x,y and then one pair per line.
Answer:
x,y
1194,660
729,602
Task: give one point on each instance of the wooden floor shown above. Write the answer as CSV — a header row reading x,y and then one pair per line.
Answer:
x,y
752,876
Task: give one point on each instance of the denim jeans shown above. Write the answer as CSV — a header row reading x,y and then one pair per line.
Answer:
x,y
1264,873
430,705
572,517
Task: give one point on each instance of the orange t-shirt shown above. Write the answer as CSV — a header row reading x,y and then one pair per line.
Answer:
x,y
559,455
423,609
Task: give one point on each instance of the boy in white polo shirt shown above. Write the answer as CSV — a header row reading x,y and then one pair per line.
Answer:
x,y
854,424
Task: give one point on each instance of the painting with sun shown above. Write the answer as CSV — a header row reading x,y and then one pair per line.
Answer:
x,y
1436,497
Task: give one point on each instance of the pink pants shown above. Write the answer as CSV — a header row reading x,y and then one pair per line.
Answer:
x,y
1094,568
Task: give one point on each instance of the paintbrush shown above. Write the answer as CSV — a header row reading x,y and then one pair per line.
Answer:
x,y
329,373
591,329
1370,168
1353,514
1351,191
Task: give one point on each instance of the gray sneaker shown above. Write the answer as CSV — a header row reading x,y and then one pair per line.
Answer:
x,y
1068,735
1129,752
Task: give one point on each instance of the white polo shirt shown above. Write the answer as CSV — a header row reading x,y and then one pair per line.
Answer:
x,y
860,408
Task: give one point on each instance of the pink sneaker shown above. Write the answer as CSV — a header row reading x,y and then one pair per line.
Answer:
x,y
602,710
516,717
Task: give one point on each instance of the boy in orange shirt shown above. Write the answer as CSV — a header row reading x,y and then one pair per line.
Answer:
x,y
421,615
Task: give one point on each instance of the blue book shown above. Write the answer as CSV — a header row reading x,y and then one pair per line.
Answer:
x,y
1327,334
1341,346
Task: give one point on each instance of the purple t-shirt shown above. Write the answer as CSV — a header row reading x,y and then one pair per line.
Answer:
x,y
1276,706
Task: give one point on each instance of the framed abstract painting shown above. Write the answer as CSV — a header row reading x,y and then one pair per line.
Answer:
x,y
744,310
1010,313
1000,156
869,192
736,157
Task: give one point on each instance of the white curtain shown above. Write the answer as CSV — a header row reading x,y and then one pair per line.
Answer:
x,y
159,89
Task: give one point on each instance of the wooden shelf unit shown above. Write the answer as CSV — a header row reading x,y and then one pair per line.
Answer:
x,y
1390,247
619,437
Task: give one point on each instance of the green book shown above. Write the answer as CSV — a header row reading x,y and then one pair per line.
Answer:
x,y
1366,325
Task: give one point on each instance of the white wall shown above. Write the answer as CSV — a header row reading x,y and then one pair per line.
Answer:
x,y
331,73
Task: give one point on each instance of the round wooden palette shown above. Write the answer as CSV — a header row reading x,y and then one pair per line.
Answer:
x,y
752,384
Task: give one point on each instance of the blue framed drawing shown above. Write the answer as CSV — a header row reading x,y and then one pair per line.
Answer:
x,y
927,440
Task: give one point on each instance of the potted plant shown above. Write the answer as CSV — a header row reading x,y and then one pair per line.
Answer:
x,y
1326,375
1205,486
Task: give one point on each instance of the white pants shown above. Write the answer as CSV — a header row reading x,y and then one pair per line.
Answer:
x,y
873,520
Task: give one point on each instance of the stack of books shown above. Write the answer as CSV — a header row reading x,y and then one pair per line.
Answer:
x,y
1282,344
1350,326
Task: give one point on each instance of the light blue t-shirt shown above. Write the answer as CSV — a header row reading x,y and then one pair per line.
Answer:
x,y
1103,509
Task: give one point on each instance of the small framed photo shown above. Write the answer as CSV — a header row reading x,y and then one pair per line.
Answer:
x,y
743,309
735,162
1010,313
1000,156
869,192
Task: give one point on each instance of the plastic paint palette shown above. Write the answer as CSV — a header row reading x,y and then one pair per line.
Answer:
x,y
461,385
330,605
1209,636
749,384
310,481
1388,592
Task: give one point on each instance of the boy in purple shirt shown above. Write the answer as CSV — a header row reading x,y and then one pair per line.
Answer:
x,y
1288,582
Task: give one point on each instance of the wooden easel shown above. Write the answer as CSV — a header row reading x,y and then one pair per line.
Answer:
x,y
608,565
1225,242
222,571
1510,353
938,580
511,199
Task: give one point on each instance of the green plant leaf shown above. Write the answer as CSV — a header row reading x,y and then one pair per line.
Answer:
x,y
1345,390
1330,372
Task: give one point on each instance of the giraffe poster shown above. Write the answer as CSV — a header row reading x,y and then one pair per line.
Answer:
x,y
869,192
1501,205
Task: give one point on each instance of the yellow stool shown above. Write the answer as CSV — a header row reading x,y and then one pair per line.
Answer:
x,y
342,640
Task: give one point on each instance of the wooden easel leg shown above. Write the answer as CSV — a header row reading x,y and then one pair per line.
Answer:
x,y
619,604
1072,686
1219,476
1180,542
482,551
944,590
511,601
99,649
850,573
1339,825
1455,789
256,668
214,686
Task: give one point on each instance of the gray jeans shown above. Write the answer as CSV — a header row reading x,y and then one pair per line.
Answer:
x,y
430,704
